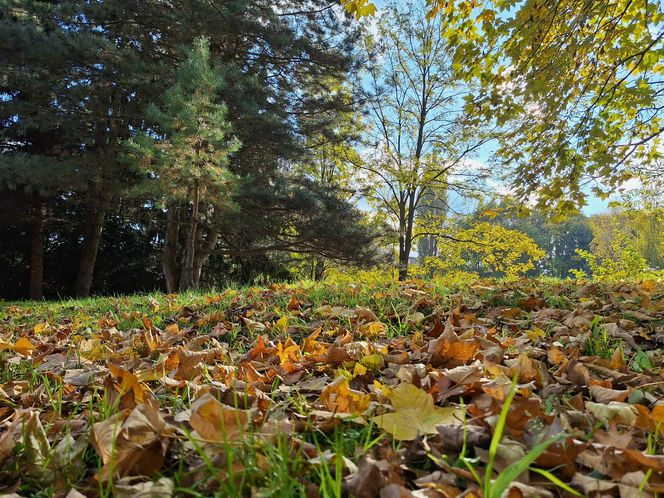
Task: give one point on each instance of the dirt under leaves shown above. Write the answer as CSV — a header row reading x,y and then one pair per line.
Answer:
x,y
373,390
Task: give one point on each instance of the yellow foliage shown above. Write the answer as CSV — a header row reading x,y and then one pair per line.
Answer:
x,y
484,248
415,414
359,8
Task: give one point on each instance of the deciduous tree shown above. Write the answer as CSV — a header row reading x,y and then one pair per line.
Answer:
x,y
576,87
420,138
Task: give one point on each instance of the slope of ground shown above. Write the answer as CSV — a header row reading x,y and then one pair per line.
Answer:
x,y
391,390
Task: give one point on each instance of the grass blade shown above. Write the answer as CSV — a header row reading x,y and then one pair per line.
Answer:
x,y
556,481
497,436
508,475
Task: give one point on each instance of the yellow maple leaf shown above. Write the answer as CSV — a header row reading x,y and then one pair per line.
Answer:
x,y
282,323
415,414
372,329
338,397
288,352
40,328
359,8
22,346
359,370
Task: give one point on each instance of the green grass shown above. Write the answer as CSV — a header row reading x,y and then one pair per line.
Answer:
x,y
294,461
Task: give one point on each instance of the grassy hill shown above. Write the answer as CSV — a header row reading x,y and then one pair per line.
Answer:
x,y
366,389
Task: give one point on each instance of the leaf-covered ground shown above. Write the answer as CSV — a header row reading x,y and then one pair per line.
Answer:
x,y
391,390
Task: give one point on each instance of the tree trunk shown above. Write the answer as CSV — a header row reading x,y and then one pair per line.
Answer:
x,y
403,264
169,262
36,277
406,241
203,252
408,238
94,223
319,269
187,280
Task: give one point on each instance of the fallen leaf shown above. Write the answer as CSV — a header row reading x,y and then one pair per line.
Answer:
x,y
282,323
131,488
622,413
37,449
372,329
253,326
339,397
21,346
415,414
124,381
214,421
131,442
605,395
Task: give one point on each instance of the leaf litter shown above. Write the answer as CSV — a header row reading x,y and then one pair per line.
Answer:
x,y
375,390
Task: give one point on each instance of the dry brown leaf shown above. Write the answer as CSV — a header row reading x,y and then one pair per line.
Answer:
x,y
367,481
605,395
131,488
592,486
525,368
131,442
214,421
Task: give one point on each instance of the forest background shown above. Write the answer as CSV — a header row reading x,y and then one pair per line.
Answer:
x,y
149,148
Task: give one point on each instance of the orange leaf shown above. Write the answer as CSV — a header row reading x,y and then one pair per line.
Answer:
x,y
657,414
125,381
454,353
617,362
339,397
289,352
556,356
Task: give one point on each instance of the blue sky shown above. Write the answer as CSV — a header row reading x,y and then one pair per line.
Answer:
x,y
595,205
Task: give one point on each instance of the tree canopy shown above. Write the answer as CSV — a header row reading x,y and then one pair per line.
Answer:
x,y
248,140
576,88
78,84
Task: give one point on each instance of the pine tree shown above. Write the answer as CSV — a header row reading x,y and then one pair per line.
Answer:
x,y
77,79
191,161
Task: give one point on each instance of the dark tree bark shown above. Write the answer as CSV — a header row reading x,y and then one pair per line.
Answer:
x,y
94,223
404,259
319,269
36,276
203,250
170,256
404,256
187,280
402,263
